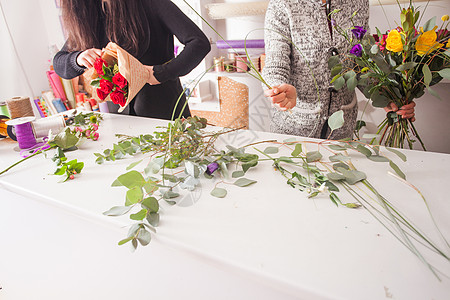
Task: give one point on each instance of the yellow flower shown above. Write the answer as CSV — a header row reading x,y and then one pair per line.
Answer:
x,y
427,43
448,44
444,18
394,41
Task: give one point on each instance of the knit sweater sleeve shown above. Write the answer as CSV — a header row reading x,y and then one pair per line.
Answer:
x,y
196,44
65,64
277,67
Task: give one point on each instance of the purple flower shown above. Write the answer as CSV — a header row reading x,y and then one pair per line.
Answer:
x,y
211,168
356,50
359,32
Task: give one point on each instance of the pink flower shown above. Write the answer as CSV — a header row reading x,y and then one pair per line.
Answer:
x,y
95,136
94,126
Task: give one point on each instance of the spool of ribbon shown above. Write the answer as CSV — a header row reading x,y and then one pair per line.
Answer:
x,y
240,44
41,127
24,132
19,107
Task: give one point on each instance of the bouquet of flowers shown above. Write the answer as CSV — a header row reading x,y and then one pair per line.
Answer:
x,y
394,67
117,76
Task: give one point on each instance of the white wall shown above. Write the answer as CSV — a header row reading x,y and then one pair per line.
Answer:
x,y
22,31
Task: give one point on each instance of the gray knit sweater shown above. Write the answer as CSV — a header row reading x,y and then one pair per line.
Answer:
x,y
306,68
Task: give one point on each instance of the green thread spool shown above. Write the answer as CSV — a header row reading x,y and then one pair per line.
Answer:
x,y
4,109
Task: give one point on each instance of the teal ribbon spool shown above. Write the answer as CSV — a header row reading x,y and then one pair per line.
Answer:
x,y
4,109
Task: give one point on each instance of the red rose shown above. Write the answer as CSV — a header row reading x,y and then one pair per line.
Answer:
x,y
98,66
101,94
118,98
106,86
119,80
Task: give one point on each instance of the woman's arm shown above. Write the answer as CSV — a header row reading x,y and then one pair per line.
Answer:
x,y
196,44
65,64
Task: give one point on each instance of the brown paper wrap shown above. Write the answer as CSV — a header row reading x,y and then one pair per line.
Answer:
x,y
132,69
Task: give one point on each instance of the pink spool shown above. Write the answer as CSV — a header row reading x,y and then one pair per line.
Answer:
x,y
241,63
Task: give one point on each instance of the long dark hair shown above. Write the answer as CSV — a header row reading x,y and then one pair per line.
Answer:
x,y
125,23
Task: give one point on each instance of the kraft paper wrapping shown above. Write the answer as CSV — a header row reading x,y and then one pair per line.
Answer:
x,y
233,105
132,69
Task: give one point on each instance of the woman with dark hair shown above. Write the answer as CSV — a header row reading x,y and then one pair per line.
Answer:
x,y
144,28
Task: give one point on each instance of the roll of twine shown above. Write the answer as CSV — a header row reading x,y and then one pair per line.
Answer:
x,y
25,135
20,107
42,126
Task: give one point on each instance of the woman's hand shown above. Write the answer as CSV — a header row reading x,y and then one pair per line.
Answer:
x,y
87,58
152,80
406,111
283,96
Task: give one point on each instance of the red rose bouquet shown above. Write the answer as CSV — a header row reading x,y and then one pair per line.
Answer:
x,y
117,76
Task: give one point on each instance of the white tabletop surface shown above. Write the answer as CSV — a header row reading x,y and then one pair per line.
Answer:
x,y
266,241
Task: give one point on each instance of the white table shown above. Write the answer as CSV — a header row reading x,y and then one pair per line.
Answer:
x,y
266,241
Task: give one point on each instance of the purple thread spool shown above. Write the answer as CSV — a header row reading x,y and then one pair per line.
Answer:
x,y
24,132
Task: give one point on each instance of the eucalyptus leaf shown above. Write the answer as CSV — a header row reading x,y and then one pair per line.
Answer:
x,y
337,147
132,179
429,25
407,66
352,176
139,216
426,75
336,70
378,158
144,237
335,176
117,211
397,169
398,153
362,149
131,166
445,73
271,150
338,82
151,204
242,182
290,140
352,82
332,61
134,195
170,195
341,165
313,156
336,120
124,241
219,192
297,150
237,174
339,157
153,219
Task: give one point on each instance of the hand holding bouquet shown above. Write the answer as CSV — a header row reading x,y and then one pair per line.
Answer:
x,y
394,67
117,76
